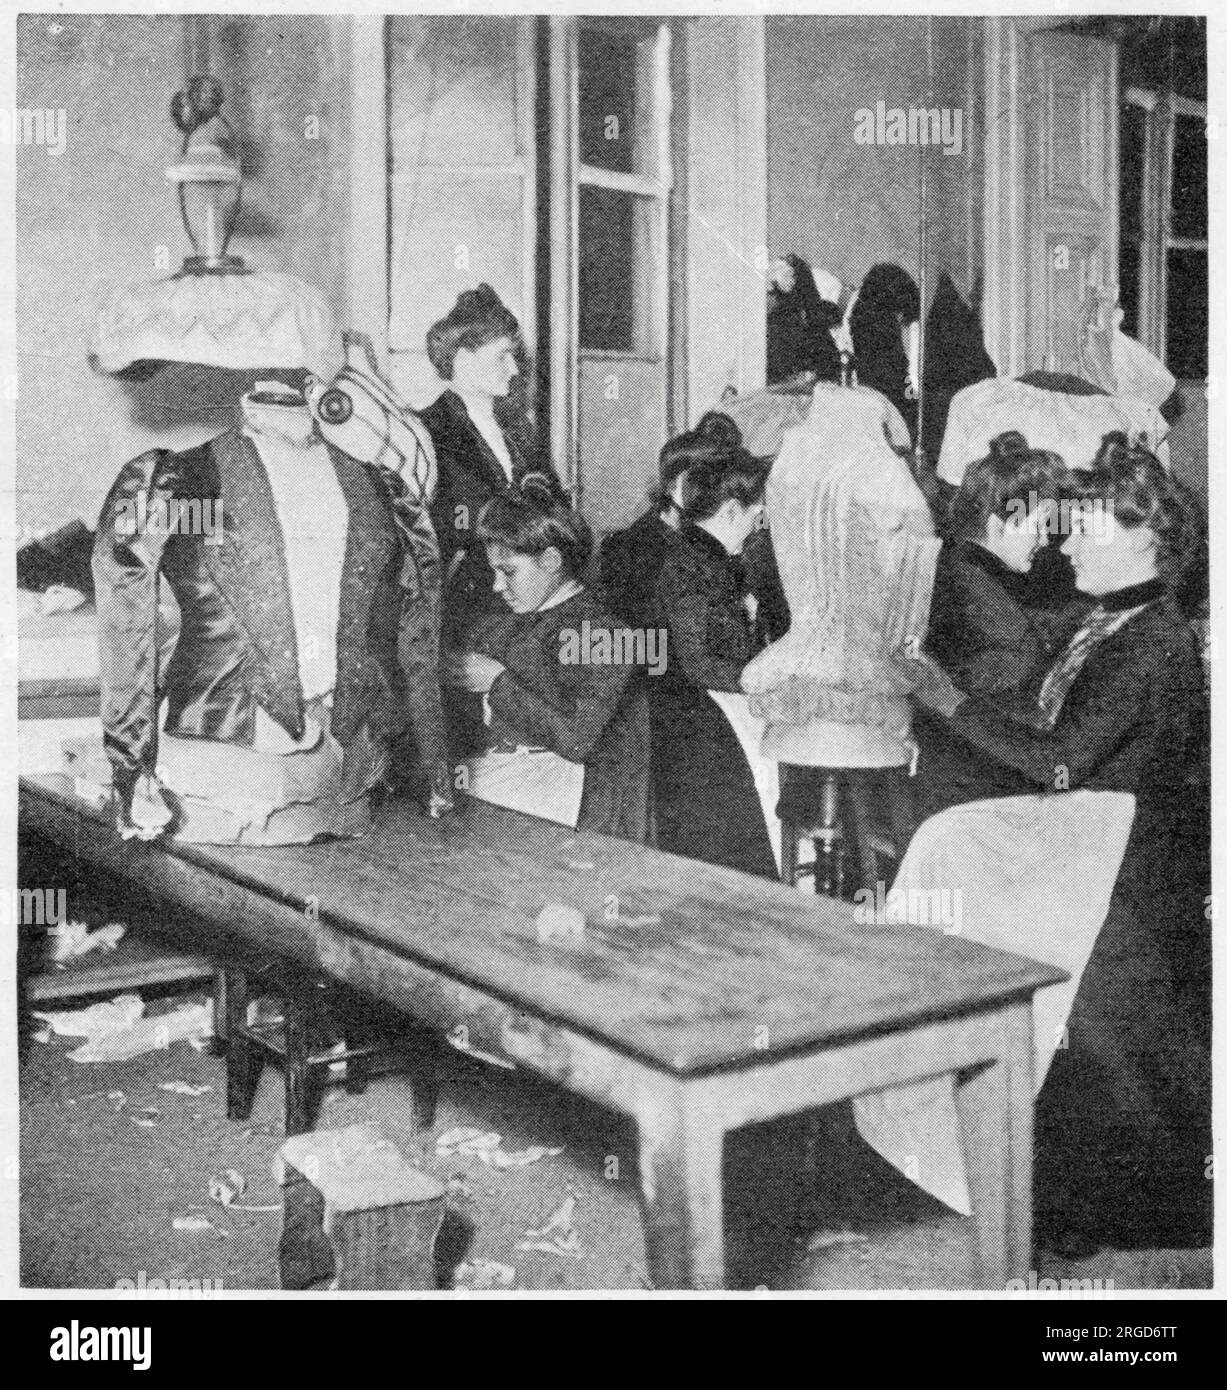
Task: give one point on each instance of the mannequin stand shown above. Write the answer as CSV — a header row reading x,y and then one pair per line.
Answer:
x,y
856,818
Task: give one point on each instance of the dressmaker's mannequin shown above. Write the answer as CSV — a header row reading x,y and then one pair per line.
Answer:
x,y
856,552
284,689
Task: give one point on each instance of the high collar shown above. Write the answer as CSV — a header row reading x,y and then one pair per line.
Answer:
x,y
1135,596
289,420
571,589
475,407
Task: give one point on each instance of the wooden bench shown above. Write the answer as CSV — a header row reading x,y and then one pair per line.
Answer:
x,y
695,1000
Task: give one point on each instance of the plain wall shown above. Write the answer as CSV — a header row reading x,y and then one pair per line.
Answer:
x,y
103,212
845,206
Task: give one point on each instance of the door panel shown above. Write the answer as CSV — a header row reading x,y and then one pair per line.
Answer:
x,y
1070,132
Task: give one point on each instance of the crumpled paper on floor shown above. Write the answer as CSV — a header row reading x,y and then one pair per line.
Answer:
x,y
72,939
484,1274
109,1016
229,1184
117,1028
487,1145
558,1236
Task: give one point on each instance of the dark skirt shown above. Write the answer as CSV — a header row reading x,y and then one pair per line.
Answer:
x,y
1123,1119
707,806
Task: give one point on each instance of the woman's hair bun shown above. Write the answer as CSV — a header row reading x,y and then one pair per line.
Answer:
x,y
1010,444
476,303
541,490
718,429
1116,450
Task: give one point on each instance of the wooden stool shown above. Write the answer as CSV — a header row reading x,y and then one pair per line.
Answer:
x,y
318,1030
357,1215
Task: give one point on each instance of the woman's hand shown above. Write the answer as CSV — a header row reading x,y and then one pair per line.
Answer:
x,y
929,682
470,671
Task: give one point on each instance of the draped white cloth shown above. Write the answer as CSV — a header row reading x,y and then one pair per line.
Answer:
x,y
1032,875
1071,426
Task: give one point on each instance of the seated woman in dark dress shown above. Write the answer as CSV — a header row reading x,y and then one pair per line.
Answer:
x,y
631,560
560,679
1123,1117
707,806
979,629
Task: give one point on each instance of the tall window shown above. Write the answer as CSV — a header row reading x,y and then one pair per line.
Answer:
x,y
1164,250
624,181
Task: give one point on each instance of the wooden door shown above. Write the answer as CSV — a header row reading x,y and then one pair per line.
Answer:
x,y
1071,181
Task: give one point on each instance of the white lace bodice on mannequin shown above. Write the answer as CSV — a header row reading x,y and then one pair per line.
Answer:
x,y
856,551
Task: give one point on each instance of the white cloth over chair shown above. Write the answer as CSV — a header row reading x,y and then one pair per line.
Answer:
x,y
1068,425
1032,875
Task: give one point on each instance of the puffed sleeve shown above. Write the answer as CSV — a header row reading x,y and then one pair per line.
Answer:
x,y
128,550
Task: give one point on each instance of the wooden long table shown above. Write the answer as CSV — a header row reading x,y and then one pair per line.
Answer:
x,y
696,1000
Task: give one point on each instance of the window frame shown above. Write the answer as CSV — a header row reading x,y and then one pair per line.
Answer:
x,y
655,189
1161,108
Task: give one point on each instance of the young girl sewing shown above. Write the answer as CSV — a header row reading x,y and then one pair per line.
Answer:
x,y
567,725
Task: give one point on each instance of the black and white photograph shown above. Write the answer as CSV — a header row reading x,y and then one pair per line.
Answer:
x,y
611,654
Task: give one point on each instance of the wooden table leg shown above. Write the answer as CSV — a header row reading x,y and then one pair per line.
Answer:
x,y
681,1153
995,1109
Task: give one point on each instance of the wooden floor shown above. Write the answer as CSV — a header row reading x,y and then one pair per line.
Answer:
x,y
100,1192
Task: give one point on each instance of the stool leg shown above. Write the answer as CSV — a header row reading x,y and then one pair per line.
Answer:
x,y
828,866
421,1062
244,1061
221,1014
902,804
357,1074
298,1107
859,800
788,853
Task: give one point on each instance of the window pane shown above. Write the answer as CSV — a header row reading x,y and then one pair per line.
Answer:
x,y
1187,318
1128,275
1132,171
615,101
618,261
1189,178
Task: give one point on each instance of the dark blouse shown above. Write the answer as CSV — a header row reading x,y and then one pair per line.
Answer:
x,y
979,629
469,476
706,802
1131,721
558,692
700,597
631,561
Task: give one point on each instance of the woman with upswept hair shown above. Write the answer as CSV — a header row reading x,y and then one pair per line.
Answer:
x,y
707,805
980,628
483,448
1122,1121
